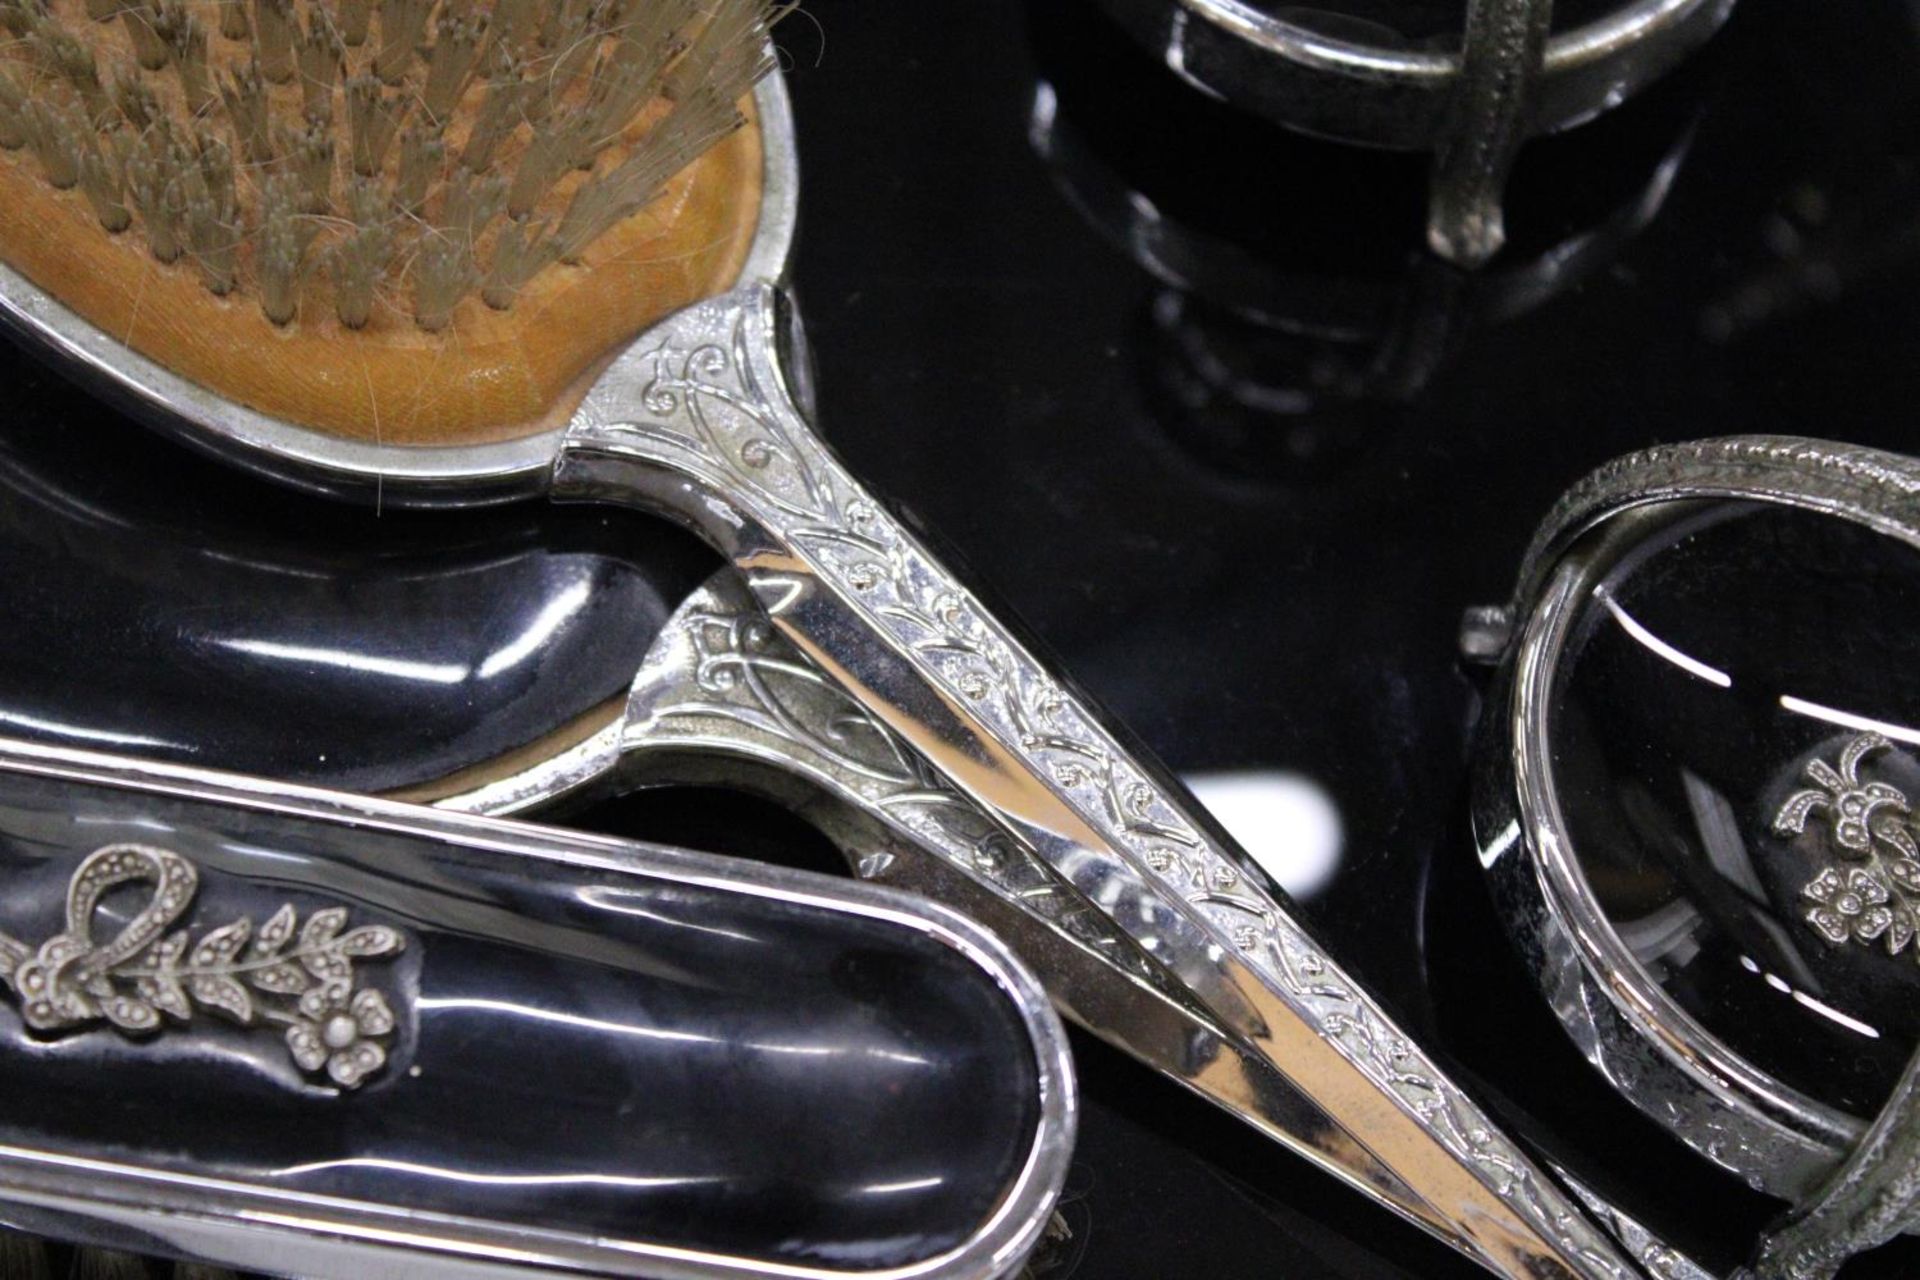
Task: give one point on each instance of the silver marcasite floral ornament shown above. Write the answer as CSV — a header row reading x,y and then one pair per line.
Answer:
x,y
1873,891
283,973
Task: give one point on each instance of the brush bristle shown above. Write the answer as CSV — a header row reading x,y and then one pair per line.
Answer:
x,y
406,153
108,1264
24,1257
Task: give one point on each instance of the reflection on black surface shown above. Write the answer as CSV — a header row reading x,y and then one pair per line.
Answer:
x,y
198,616
1286,822
577,1050
1699,688
1304,309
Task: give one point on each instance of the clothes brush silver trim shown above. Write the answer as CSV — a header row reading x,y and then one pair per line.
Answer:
x,y
272,1229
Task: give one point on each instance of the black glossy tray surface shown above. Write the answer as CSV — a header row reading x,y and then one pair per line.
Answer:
x,y
1259,573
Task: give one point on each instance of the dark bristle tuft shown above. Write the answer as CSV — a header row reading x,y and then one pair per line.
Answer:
x,y
233,20
108,1264
13,105
273,26
356,19
148,47
24,1257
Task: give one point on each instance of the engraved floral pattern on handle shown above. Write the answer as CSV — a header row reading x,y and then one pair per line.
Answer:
x,y
299,977
705,398
742,671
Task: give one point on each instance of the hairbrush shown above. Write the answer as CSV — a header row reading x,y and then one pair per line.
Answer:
x,y
299,1032
701,416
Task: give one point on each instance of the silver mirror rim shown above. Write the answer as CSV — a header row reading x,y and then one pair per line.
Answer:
x,y
1653,1052
1377,95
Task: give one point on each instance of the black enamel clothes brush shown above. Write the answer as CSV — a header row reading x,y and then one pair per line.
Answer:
x,y
304,1033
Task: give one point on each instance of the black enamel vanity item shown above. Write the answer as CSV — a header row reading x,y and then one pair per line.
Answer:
x,y
298,1032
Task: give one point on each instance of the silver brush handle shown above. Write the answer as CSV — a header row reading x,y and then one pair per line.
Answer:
x,y
700,419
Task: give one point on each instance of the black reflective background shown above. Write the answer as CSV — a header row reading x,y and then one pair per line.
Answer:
x,y
165,607
1252,540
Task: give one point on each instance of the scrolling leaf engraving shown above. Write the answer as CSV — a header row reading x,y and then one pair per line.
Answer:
x,y
299,977
711,390
744,673
712,414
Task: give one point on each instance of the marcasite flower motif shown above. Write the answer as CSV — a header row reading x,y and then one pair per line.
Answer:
x,y
1877,897
1854,905
1905,873
1859,811
339,1035
150,975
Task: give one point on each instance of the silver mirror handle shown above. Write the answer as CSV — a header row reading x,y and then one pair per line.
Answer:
x,y
697,420
722,699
